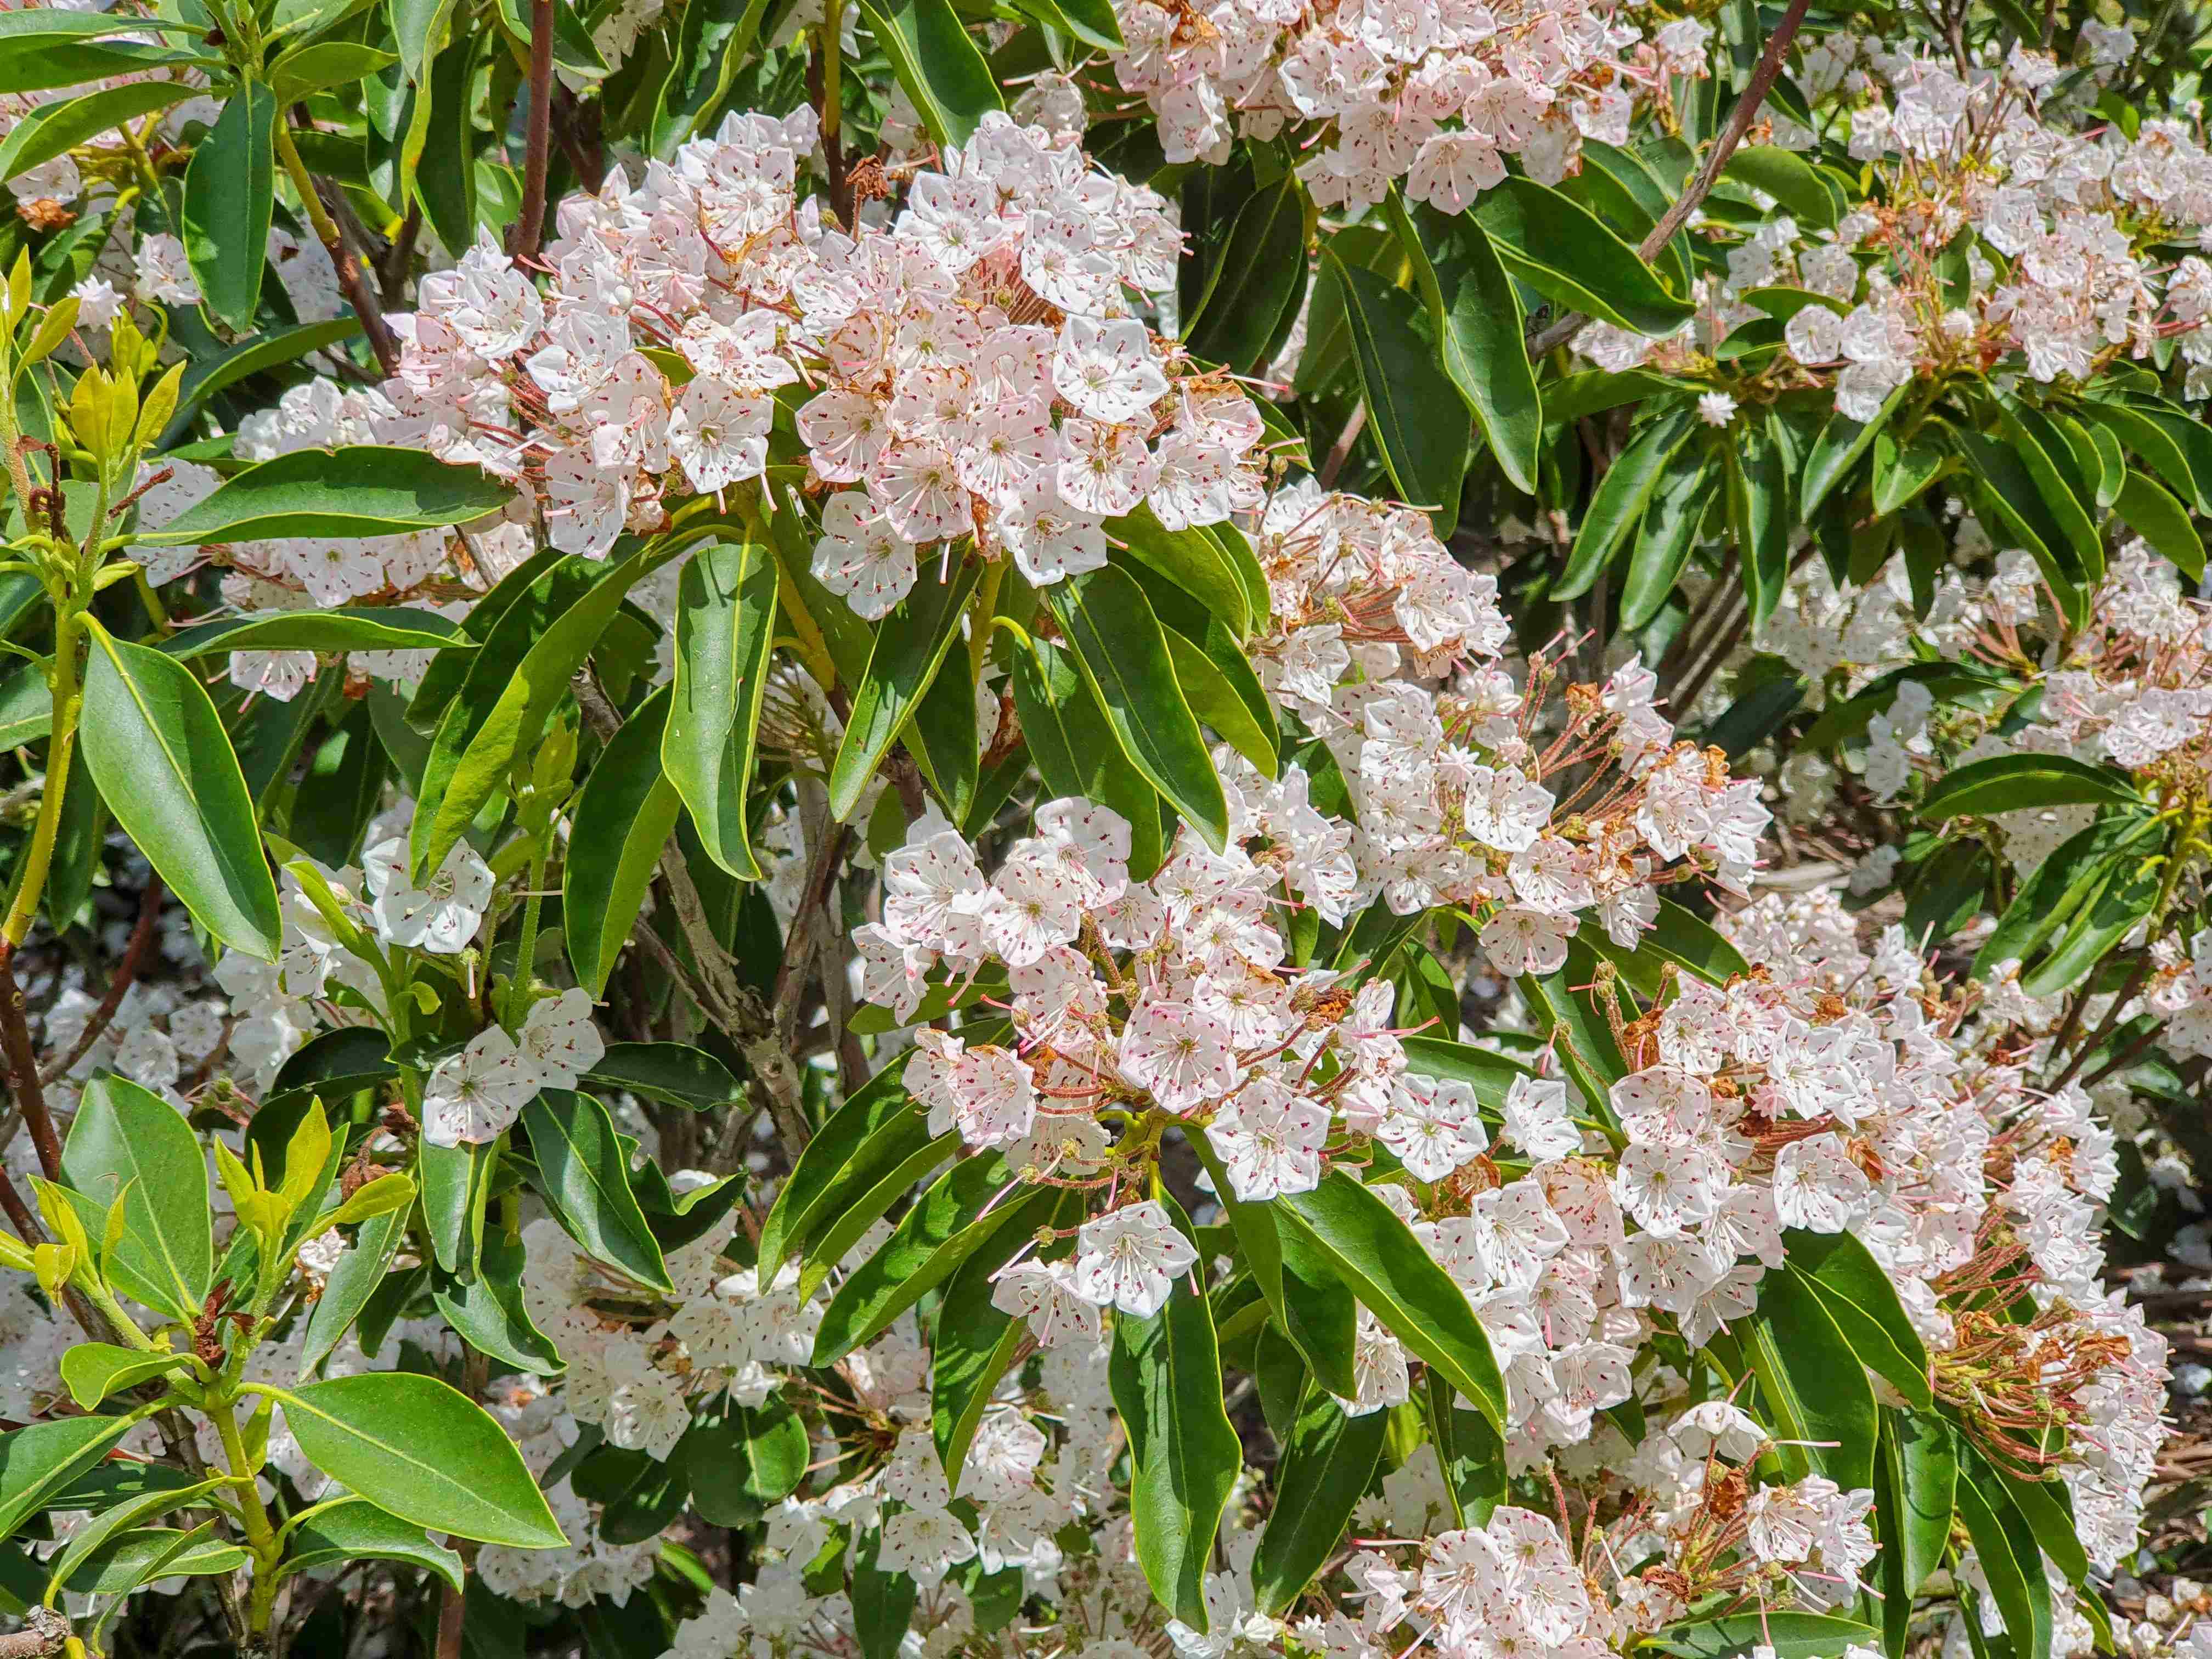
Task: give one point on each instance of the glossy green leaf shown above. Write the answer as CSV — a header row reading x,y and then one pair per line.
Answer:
x,y
938,64
1924,1468
1165,1373
1313,1308
1116,639
1260,274
487,1311
1757,474
1787,177
91,1371
2014,783
360,490
1859,1297
1903,468
1476,313
585,1177
1213,700
975,1344
746,1462
359,1271
1837,450
1665,540
54,128
911,646
501,714
2056,890
1677,937
1193,560
725,614
1403,386
2118,902
1469,1450
167,770
42,1459
1326,1464
129,1143
355,1529
1571,256
946,1226
1076,752
1814,1386
1790,1635
1374,1252
333,631
878,1128
623,817
673,1073
230,192
2011,1560
1622,495
424,1451
2162,521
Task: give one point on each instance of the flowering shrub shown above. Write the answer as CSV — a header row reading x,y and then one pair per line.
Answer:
x,y
1320,826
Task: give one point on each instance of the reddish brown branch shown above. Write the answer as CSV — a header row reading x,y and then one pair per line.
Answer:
x,y
126,972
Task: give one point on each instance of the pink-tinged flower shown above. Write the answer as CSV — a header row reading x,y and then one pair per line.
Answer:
x,y
860,558
1107,369
1523,941
920,491
1180,1052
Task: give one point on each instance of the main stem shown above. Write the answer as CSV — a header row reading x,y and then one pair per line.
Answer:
x,y
62,683
353,280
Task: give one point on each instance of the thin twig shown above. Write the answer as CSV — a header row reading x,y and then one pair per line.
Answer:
x,y
529,226
126,974
22,1063
1763,77
43,1631
1341,450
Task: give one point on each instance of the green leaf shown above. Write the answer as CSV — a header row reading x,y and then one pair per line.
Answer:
x,y
55,129
1923,1469
1812,1383
1571,256
585,1176
1213,700
500,715
1118,641
946,1226
44,1458
361,491
1665,540
622,819
1676,936
2010,495
41,48
355,1529
2010,1558
1403,387
230,191
715,40
878,1128
1371,1250
2048,1507
1261,273
911,646
1758,474
1788,179
332,631
674,1074
1470,1451
2067,500
1617,504
883,1602
1326,1464
320,65
124,1561
2055,893
937,63
2126,893
975,1343
2163,522
1076,752
1491,1075
424,1451
129,1143
751,1459
725,618
1791,1635
945,742
359,1271
167,770
1860,1297
2014,783
1837,451
1184,1456
93,1370
1480,335
488,1311
1309,1304
89,1537
1194,562
1903,468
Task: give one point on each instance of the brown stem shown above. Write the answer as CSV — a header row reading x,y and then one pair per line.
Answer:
x,y
1682,704
537,155
2089,1045
392,269
1764,74
126,972
23,1063
315,195
43,1631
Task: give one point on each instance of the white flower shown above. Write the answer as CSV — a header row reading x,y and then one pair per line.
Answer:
x,y
1716,409
1129,1259
474,1095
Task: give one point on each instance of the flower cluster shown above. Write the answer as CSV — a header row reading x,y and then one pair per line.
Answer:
x,y
1437,96
2059,275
